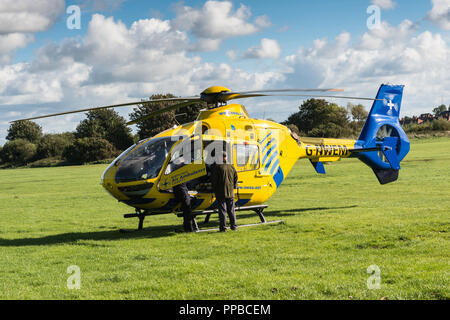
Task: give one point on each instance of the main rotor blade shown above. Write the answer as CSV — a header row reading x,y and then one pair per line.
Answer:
x,y
291,90
226,96
110,106
156,113
243,96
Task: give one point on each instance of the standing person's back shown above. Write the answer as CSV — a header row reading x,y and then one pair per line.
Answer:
x,y
224,177
224,180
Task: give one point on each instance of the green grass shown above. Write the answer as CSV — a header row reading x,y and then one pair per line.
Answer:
x,y
335,227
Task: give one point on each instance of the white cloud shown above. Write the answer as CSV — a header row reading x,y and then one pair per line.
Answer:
x,y
232,55
440,13
377,38
395,56
205,45
268,49
216,21
12,41
19,20
100,5
263,21
384,4
29,16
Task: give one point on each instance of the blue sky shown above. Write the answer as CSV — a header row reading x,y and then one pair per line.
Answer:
x,y
129,49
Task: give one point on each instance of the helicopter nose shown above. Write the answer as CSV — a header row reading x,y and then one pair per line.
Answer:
x,y
108,181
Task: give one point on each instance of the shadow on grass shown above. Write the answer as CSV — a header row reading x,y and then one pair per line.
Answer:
x,y
267,214
148,233
292,212
74,237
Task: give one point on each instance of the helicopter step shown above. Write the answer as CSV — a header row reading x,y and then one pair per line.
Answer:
x,y
245,225
142,214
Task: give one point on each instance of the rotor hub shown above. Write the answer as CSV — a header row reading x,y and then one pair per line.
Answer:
x,y
214,95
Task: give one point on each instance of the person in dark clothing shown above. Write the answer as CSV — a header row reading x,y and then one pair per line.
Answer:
x,y
224,180
181,193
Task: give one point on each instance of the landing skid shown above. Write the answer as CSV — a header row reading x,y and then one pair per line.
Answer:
x,y
142,214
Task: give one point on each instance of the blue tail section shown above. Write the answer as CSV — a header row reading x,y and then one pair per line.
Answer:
x,y
383,133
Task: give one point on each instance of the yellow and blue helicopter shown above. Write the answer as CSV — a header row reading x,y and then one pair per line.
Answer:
x,y
263,152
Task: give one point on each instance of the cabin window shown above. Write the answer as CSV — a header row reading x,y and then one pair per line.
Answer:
x,y
185,153
247,157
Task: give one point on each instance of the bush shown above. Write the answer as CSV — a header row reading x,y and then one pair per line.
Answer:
x,y
47,162
88,150
18,152
441,125
25,129
106,124
319,118
435,125
330,130
53,145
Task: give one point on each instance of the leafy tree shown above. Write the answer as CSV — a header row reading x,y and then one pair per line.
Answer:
x,y
25,129
358,112
89,149
151,127
1,148
106,124
18,152
319,118
438,110
53,145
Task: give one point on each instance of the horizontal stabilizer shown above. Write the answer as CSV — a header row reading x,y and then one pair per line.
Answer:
x,y
319,167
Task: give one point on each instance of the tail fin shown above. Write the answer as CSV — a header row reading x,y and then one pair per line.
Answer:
x,y
383,133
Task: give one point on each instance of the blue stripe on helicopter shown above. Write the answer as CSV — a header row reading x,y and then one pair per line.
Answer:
x,y
269,142
195,203
266,145
239,203
275,166
270,160
170,205
132,202
279,177
213,206
268,153
242,202
265,138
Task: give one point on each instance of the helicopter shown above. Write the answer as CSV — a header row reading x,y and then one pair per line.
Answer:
x,y
263,152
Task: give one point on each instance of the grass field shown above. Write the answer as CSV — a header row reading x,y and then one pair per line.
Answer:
x,y
335,227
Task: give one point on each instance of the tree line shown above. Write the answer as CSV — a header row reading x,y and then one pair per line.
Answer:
x,y
320,118
102,135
